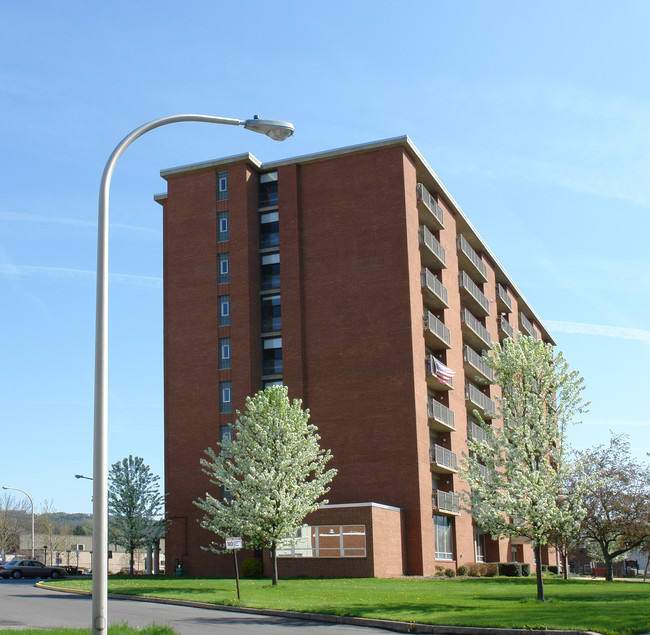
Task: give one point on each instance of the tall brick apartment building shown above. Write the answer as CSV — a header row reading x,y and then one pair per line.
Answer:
x,y
352,277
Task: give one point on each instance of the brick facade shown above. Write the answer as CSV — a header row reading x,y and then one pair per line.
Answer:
x,y
353,347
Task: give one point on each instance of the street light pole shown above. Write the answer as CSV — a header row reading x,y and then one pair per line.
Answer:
x,y
32,502
277,130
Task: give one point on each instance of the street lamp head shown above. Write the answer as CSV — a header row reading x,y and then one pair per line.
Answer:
x,y
89,478
4,487
277,130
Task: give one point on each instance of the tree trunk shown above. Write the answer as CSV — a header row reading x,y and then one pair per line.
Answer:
x,y
609,572
538,567
131,563
565,563
274,563
645,571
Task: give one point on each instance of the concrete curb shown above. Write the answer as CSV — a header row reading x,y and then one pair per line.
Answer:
x,y
389,625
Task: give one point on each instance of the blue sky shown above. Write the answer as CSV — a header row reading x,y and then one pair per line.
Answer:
x,y
536,116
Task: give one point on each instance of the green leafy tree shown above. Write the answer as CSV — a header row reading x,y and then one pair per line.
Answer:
x,y
517,475
617,500
135,506
272,474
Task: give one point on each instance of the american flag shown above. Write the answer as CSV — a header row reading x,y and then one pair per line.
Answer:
x,y
443,373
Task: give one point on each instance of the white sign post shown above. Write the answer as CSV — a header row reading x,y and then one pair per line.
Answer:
x,y
234,544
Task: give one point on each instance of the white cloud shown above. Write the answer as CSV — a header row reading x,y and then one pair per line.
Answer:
x,y
52,220
12,270
599,330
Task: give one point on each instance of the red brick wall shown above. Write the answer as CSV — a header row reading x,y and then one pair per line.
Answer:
x,y
384,553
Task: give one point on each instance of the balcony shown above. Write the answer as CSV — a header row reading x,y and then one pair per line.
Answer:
x,y
474,333
443,461
471,296
432,252
505,330
441,418
476,368
435,382
434,292
429,211
474,431
527,325
436,334
485,472
504,301
471,261
476,400
446,502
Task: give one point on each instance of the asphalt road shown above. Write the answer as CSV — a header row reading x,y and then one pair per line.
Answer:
x,y
22,605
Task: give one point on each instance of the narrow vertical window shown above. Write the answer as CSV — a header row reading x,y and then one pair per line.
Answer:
x,y
271,313
225,439
272,356
270,271
269,230
223,261
225,396
224,310
224,353
222,186
223,229
444,537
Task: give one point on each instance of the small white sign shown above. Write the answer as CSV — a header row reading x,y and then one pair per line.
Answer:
x,y
233,543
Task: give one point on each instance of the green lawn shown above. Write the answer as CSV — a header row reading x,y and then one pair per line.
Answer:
x,y
614,608
117,629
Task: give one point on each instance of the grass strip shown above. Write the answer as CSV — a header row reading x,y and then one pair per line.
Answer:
x,y
611,608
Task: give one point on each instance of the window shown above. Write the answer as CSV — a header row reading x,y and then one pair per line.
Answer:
x,y
326,541
225,439
224,353
479,547
272,356
444,536
268,194
224,310
271,314
225,396
222,186
269,230
273,382
224,268
270,271
223,228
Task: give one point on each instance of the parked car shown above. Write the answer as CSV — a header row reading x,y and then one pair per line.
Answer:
x,y
29,569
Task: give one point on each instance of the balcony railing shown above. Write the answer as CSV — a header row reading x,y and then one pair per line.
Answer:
x,y
527,325
440,417
485,472
475,367
433,254
433,214
466,253
443,460
472,295
436,382
474,431
505,330
481,402
446,501
436,334
435,293
504,301
473,331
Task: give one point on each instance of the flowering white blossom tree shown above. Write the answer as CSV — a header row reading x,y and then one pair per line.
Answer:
x,y
272,474
518,473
